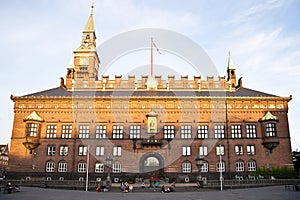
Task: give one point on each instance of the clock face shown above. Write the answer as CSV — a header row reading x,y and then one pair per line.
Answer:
x,y
84,61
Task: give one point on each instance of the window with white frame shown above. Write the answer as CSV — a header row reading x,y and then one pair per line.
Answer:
x,y
169,132
220,166
204,167
81,167
219,131
62,166
117,132
99,150
203,151
99,168
236,131
82,150
51,150
186,167
220,150
135,132
116,167
51,131
186,150
100,131
239,166
50,166
270,129
251,166
250,149
84,131
63,150
251,131
117,151
66,131
202,131
31,129
186,132
239,150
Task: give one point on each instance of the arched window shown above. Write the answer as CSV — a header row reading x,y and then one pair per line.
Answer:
x,y
62,166
186,167
251,166
99,168
220,166
239,166
50,166
116,168
81,167
204,167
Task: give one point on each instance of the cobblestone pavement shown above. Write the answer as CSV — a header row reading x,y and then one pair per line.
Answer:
x,y
263,193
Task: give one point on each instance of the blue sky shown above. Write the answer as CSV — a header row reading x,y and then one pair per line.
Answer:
x,y
37,39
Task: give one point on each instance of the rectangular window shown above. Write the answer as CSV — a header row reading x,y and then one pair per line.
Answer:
x,y
84,131
220,150
203,151
250,149
63,150
220,166
236,131
51,150
118,132
83,150
219,131
169,132
239,166
50,166
62,167
51,131
186,151
239,150
186,167
270,129
31,129
99,151
66,131
116,168
81,167
117,151
251,130
186,132
100,131
202,131
135,132
99,168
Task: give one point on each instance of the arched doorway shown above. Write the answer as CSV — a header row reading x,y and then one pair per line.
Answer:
x,y
151,165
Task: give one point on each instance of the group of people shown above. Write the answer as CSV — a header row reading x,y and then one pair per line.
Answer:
x,y
101,188
125,187
165,189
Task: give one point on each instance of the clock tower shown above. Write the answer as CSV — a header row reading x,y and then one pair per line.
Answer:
x,y
82,71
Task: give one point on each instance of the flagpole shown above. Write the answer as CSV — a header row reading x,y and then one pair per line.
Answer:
x,y
87,168
151,56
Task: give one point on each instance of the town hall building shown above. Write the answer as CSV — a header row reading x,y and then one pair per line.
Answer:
x,y
145,126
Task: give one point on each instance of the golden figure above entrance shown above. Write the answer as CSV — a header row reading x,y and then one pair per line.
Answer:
x,y
152,122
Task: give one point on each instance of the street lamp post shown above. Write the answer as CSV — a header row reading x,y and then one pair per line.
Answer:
x,y
108,164
199,163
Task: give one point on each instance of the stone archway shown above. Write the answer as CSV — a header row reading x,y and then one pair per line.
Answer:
x,y
152,165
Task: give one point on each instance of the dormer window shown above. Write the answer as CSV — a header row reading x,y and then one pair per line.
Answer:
x,y
31,129
270,129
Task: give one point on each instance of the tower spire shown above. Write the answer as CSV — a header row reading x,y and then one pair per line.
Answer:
x,y
231,76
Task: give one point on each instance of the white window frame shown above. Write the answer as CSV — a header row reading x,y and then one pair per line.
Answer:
x,y
203,151
66,131
51,131
50,166
81,167
239,166
118,132
84,131
204,167
270,129
251,166
134,132
63,150
251,150
99,150
116,167
99,168
31,129
117,151
239,150
82,150
101,131
236,131
186,132
51,150
186,150
251,130
169,131
220,150
62,166
220,166
186,167
219,131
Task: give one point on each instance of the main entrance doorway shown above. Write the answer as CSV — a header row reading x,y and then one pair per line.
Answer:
x,y
151,165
